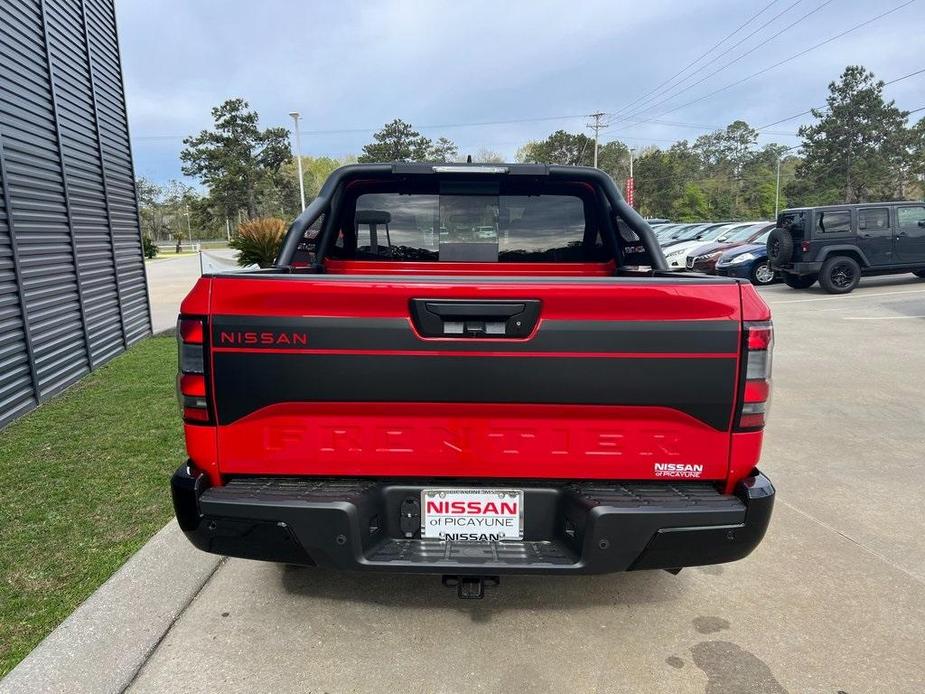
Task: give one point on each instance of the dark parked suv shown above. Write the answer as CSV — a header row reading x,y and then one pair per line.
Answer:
x,y
838,244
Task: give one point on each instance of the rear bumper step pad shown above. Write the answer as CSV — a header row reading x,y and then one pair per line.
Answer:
x,y
593,527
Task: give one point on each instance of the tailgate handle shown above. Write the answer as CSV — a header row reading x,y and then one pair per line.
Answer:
x,y
475,319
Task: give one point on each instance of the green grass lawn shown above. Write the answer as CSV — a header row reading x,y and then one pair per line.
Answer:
x,y
84,482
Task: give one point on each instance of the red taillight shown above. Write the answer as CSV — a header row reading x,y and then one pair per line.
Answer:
x,y
190,330
194,414
759,344
804,246
757,391
192,383
760,335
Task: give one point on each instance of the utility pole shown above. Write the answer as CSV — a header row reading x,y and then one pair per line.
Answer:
x,y
597,126
298,156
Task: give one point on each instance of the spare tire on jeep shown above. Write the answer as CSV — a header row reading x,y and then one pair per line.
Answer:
x,y
780,247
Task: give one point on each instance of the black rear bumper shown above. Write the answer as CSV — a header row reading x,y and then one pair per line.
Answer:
x,y
807,268
579,527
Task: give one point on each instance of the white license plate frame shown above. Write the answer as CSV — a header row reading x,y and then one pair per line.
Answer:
x,y
475,522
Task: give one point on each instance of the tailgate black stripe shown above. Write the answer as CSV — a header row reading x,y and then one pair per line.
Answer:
x,y
702,388
671,337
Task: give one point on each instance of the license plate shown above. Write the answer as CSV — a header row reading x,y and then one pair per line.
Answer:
x,y
472,515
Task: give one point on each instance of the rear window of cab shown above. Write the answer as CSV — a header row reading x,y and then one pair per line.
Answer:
x,y
476,225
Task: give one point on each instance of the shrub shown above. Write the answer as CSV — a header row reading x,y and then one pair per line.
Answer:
x,y
258,241
148,247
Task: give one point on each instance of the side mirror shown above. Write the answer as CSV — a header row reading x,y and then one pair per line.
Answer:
x,y
922,222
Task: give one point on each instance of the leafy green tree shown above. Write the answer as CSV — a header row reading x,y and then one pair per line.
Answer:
x,y
757,181
561,148
724,155
524,153
613,158
692,205
570,149
236,158
163,208
315,171
912,185
727,151
662,178
397,141
443,150
857,147
150,208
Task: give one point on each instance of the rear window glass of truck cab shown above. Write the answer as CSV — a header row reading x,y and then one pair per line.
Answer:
x,y
478,227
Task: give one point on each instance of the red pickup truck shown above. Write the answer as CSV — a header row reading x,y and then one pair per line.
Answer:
x,y
471,371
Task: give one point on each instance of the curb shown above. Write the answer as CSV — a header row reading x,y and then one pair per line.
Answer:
x,y
103,644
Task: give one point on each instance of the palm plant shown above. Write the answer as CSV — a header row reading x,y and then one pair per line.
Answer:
x,y
258,241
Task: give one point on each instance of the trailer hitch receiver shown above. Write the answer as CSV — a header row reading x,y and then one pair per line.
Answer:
x,y
470,587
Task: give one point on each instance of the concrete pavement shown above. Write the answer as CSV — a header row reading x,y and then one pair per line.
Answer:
x,y
832,601
810,611
169,281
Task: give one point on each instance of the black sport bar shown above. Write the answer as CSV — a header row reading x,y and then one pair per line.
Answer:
x,y
332,188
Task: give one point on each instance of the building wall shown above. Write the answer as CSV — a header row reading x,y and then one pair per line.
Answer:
x,y
73,292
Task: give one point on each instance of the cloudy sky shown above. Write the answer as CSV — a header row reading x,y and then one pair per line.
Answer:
x,y
495,74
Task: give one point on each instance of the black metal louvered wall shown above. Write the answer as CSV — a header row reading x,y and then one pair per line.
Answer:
x,y
73,291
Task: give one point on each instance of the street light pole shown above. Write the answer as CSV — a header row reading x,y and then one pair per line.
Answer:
x,y
777,190
780,158
298,156
189,227
629,191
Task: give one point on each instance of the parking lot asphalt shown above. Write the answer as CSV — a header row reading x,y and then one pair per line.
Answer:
x,y
832,601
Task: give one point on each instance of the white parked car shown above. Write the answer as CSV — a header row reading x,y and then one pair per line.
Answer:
x,y
676,253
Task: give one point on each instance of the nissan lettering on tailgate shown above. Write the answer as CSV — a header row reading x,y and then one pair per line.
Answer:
x,y
471,371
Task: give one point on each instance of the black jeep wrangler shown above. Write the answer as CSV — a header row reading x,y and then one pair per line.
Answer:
x,y
839,243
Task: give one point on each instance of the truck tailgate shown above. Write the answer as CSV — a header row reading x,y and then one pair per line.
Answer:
x,y
612,378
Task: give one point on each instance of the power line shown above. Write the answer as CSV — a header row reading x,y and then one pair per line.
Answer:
x,y
344,131
727,52
637,122
336,131
734,60
785,60
784,120
702,126
704,55
803,113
